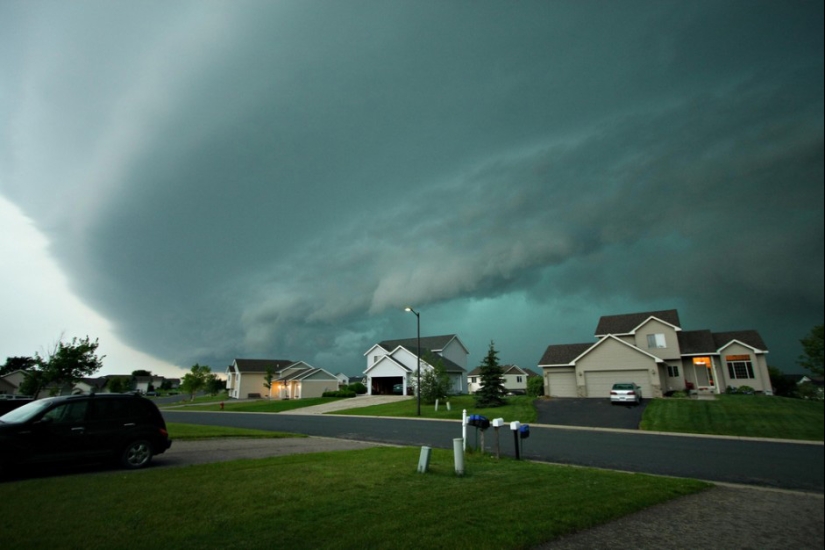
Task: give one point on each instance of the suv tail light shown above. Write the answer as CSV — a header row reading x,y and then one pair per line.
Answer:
x,y
163,432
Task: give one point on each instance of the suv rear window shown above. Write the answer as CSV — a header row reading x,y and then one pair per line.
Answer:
x,y
119,409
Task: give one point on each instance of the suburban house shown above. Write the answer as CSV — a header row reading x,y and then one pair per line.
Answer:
x,y
515,379
245,378
652,350
394,362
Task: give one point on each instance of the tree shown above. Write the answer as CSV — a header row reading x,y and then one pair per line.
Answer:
x,y
812,357
67,363
195,380
782,385
141,372
491,393
17,363
435,382
268,381
214,385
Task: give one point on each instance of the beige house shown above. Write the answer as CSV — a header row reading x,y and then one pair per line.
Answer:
x,y
245,378
652,350
514,379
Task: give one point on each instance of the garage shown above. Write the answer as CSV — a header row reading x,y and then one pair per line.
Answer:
x,y
599,382
561,384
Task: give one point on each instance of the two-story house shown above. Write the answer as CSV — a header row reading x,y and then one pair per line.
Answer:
x,y
393,363
245,379
652,350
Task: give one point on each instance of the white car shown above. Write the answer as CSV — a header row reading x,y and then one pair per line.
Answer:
x,y
626,392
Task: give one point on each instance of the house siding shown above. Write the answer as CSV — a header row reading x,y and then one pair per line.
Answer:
x,y
613,355
761,380
654,326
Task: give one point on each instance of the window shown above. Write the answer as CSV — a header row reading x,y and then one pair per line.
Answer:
x,y
740,369
673,371
655,341
472,380
518,379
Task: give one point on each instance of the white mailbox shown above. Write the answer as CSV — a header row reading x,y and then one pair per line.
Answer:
x,y
515,425
498,422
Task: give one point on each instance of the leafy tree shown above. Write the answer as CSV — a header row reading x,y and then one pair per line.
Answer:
x,y
17,363
491,393
118,385
435,382
812,357
781,384
268,381
535,386
214,385
195,380
67,363
141,372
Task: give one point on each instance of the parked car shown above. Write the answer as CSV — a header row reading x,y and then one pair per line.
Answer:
x,y
626,392
398,389
125,428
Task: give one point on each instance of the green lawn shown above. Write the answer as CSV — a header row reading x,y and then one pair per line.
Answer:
x,y
518,408
371,498
738,415
261,405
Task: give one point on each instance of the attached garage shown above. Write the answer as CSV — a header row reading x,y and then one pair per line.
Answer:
x,y
598,383
561,384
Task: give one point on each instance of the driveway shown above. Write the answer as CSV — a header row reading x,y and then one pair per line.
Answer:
x,y
588,412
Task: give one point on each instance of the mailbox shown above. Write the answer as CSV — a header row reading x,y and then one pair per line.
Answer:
x,y
524,431
498,422
478,421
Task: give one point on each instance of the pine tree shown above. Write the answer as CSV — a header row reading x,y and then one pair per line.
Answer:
x,y
491,393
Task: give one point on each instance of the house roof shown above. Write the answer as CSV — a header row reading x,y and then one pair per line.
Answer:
x,y
563,354
260,365
748,337
507,369
696,342
431,357
628,322
432,343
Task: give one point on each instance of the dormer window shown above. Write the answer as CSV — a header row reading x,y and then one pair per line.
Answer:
x,y
656,341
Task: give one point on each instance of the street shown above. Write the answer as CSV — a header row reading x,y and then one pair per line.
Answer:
x,y
794,466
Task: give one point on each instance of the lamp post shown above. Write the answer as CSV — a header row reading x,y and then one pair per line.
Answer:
x,y
418,355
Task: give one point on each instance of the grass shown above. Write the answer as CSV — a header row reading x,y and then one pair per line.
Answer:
x,y
517,408
738,415
371,498
261,405
179,432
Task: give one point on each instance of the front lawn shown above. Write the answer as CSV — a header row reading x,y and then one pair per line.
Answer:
x,y
262,405
517,408
738,415
371,498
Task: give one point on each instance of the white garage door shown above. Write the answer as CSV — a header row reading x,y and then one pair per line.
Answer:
x,y
599,382
562,384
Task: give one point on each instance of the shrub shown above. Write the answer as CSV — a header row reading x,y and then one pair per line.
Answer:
x,y
358,388
535,386
339,393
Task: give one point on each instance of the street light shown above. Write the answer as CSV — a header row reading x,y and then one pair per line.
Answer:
x,y
418,354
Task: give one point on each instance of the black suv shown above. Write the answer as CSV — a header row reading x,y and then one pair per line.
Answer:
x,y
123,427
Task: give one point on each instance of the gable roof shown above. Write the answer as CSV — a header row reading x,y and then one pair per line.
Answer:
x,y
750,338
432,343
260,365
563,354
696,342
628,322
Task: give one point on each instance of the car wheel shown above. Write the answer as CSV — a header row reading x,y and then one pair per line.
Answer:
x,y
137,454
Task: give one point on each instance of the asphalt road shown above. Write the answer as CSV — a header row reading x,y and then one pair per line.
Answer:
x,y
785,465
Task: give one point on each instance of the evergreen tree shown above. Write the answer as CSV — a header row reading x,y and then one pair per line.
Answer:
x,y
491,393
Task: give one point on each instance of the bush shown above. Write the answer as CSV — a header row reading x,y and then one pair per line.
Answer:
x,y
535,386
339,393
357,387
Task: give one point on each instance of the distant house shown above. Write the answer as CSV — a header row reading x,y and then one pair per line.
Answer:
x,y
343,379
514,379
90,385
394,362
652,350
290,380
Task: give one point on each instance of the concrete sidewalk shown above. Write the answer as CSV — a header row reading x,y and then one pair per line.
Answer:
x,y
353,403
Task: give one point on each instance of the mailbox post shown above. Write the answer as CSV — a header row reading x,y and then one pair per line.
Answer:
x,y
514,426
498,423
479,423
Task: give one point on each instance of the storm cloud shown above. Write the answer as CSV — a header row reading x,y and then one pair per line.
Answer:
x,y
279,179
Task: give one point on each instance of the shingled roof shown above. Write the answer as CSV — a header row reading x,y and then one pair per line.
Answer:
x,y
694,342
260,365
749,337
563,354
431,343
624,324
